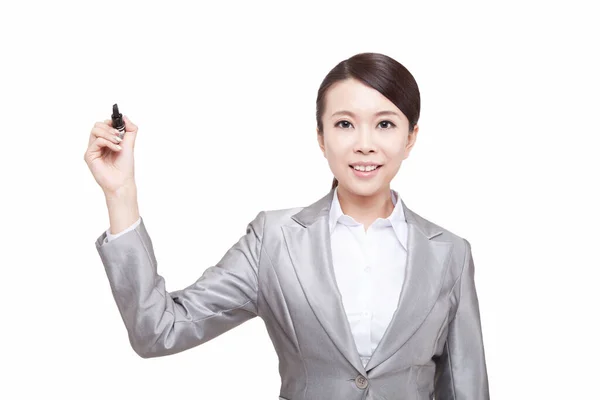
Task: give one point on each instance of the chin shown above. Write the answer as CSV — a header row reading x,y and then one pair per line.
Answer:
x,y
365,189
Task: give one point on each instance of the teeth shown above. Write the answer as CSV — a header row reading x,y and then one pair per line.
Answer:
x,y
363,168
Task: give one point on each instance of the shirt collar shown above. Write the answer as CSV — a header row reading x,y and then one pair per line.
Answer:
x,y
396,219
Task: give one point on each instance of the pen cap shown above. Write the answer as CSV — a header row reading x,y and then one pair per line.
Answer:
x,y
117,118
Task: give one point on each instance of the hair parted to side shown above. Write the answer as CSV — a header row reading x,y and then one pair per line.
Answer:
x,y
382,73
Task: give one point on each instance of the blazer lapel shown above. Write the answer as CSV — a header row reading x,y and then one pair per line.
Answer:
x,y
426,265
309,248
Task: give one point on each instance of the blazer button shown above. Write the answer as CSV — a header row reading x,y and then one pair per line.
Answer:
x,y
361,382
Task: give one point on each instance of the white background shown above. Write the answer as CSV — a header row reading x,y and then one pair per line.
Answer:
x,y
224,97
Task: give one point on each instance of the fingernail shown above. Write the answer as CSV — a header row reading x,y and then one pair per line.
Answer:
x,y
119,147
119,140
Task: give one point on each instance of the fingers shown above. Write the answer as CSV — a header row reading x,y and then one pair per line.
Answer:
x,y
104,135
107,134
103,130
99,143
105,125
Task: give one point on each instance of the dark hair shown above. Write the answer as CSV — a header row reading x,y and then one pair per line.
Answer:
x,y
382,73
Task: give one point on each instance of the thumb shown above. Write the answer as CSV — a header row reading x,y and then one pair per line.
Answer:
x,y
130,132
129,126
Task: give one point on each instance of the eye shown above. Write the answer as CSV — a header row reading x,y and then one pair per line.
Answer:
x,y
389,125
344,126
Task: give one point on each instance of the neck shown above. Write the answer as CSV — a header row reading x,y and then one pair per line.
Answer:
x,y
366,209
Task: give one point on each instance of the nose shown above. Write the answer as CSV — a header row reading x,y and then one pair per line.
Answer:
x,y
364,141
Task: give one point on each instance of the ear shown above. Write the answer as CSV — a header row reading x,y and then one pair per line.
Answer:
x,y
412,139
321,141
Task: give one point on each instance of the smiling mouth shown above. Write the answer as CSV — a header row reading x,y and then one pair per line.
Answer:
x,y
365,170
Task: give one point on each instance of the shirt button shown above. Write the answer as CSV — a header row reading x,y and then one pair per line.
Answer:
x,y
361,382
365,314
367,269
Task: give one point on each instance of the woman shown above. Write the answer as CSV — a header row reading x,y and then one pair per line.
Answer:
x,y
361,296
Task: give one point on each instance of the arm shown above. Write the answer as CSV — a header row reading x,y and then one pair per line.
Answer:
x,y
461,372
161,323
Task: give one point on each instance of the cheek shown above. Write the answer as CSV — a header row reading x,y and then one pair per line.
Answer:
x,y
396,156
337,150
394,150
336,161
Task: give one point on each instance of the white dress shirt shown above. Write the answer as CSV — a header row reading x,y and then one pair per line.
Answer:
x,y
369,269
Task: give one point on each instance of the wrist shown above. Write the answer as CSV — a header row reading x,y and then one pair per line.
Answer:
x,y
122,208
124,192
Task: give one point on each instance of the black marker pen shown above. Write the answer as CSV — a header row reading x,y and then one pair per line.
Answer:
x,y
117,121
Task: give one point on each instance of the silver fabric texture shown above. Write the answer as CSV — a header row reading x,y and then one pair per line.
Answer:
x,y
281,270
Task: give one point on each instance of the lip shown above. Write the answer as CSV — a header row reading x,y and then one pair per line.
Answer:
x,y
365,174
365,163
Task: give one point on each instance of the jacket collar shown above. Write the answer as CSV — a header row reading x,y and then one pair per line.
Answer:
x,y
308,243
320,208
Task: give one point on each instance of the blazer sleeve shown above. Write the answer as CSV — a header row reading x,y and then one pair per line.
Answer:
x,y
160,323
461,372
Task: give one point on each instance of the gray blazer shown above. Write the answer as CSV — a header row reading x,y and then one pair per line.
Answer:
x,y
281,270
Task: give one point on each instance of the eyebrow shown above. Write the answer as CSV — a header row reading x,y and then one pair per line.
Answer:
x,y
385,112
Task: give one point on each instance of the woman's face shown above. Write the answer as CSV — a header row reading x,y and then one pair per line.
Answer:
x,y
362,125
